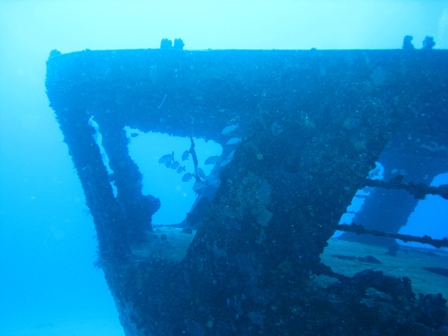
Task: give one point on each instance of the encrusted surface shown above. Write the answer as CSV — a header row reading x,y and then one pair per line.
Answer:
x,y
315,123
408,262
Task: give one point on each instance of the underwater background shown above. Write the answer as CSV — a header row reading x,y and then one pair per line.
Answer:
x,y
48,282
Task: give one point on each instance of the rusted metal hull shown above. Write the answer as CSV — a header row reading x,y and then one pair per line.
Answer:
x,y
316,122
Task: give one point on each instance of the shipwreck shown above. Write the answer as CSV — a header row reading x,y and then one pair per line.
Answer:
x,y
315,123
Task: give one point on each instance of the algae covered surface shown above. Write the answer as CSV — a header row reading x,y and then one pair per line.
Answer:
x,y
408,262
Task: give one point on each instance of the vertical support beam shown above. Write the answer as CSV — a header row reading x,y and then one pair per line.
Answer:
x,y
137,208
108,217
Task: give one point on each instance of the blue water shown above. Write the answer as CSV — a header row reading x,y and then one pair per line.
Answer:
x,y
48,284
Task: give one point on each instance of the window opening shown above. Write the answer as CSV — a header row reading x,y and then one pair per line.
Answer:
x,y
165,168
